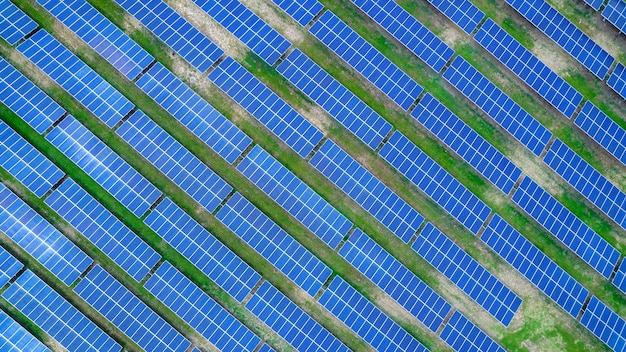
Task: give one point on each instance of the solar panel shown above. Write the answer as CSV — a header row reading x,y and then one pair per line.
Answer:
x,y
607,325
291,322
101,35
615,13
366,59
595,4
295,196
29,102
538,268
468,144
106,167
78,79
395,279
265,348
554,89
38,238
497,105
14,338
617,79
462,335
367,190
14,24
274,244
200,311
201,248
194,112
9,267
303,11
408,31
603,130
267,107
435,182
244,24
567,227
462,12
176,162
104,230
25,163
565,34
175,31
367,320
619,280
128,313
335,98
56,316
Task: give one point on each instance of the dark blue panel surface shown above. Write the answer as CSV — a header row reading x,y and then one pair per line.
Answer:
x,y
603,130
595,4
463,336
607,325
617,80
14,23
303,11
462,12
14,338
9,266
619,280
615,12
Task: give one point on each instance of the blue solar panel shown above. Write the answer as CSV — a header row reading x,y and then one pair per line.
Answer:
x,y
366,59
101,35
567,227
437,183
395,279
200,311
367,190
248,27
9,266
107,168
176,162
38,238
468,144
14,24
462,12
194,112
175,31
104,230
595,4
201,248
529,68
265,348
274,244
291,322
303,11
565,34
497,105
128,313
336,99
615,12
14,338
617,80
56,316
408,31
295,196
607,325
462,335
620,277
29,102
367,320
557,284
25,163
603,130
267,107
78,79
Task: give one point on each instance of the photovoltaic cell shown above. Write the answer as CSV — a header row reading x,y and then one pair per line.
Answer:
x,y
603,130
14,338
607,325
595,4
617,80
14,24
462,335
462,12
303,11
620,277
9,267
615,12
265,348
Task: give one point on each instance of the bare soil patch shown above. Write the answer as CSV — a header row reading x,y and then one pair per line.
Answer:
x,y
277,19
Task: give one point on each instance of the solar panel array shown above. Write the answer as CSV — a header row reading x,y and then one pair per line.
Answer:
x,y
540,270
9,266
433,180
78,79
395,279
607,325
194,112
25,163
335,98
619,280
462,12
471,146
176,162
462,335
367,320
104,230
264,348
38,238
29,102
366,59
554,89
14,338
617,80
408,31
467,274
303,11
201,248
56,316
564,33
14,23
106,167
567,227
128,313
603,130
286,189
200,311
274,244
367,190
175,31
595,4
267,107
615,12
248,27
291,322
497,105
